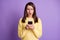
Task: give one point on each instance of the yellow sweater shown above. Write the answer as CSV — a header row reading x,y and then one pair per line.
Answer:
x,y
29,34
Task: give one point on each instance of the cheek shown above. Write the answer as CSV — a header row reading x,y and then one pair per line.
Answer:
x,y
27,11
32,11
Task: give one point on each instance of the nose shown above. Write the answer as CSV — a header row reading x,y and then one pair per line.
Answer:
x,y
29,11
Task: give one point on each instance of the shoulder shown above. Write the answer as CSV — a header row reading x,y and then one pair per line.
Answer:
x,y
39,20
20,20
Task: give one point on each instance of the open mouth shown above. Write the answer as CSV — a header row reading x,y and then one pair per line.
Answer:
x,y
30,13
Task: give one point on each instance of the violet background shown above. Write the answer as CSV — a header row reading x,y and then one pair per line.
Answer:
x,y
12,10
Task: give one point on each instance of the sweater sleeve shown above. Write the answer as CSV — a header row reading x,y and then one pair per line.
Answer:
x,y
21,31
37,31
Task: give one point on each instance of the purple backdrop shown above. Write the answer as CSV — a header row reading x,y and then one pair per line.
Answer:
x,y
12,10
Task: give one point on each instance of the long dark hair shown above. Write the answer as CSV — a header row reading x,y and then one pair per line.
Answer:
x,y
34,14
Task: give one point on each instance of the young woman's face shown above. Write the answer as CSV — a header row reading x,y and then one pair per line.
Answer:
x,y
30,10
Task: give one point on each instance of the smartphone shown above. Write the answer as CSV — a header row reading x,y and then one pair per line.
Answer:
x,y
29,22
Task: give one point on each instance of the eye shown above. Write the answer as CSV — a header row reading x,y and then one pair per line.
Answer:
x,y
31,9
27,9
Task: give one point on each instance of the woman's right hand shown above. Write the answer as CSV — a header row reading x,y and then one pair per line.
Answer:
x,y
27,27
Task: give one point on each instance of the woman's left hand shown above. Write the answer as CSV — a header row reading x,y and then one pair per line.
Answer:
x,y
31,26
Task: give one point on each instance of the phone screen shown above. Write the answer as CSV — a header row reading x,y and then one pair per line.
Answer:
x,y
29,22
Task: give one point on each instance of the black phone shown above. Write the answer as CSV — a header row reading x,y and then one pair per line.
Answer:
x,y
29,22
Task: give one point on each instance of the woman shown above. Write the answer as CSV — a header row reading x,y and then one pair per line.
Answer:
x,y
30,26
